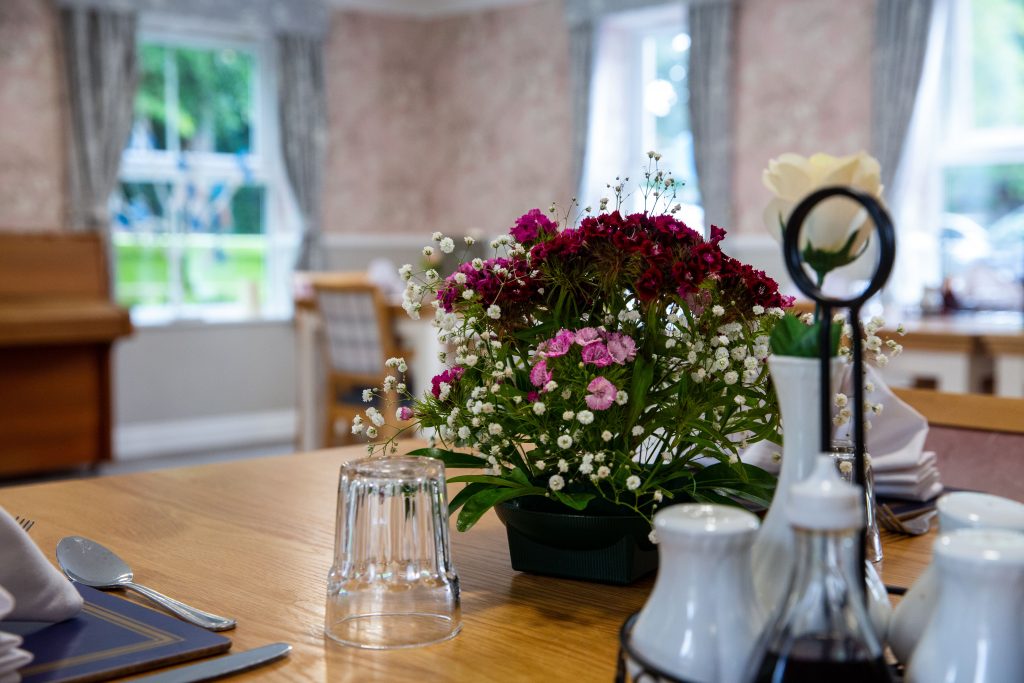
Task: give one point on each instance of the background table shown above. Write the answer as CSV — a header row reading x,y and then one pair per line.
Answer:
x,y
254,540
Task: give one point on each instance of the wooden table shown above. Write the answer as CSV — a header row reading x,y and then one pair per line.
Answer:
x,y
254,540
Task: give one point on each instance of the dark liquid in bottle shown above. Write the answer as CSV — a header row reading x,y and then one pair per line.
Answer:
x,y
775,669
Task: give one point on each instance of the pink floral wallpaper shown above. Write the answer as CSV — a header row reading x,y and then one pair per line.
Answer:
x,y
803,84
32,161
452,124
461,123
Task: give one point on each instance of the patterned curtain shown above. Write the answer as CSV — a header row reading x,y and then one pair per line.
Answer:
x,y
901,40
101,65
711,80
303,106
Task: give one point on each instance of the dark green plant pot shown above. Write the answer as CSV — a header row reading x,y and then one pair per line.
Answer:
x,y
548,538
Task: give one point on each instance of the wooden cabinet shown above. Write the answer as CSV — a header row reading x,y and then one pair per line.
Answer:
x,y
57,326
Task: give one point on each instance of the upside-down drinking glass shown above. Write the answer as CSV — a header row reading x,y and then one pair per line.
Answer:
x,y
392,584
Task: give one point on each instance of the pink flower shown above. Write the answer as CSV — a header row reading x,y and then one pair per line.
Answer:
x,y
532,397
540,375
602,394
588,335
405,413
532,225
597,354
559,345
621,347
449,377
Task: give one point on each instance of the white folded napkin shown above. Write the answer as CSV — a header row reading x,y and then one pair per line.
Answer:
x,y
895,441
11,657
40,591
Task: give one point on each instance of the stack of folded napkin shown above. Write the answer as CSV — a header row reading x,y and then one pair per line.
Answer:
x,y
895,442
31,589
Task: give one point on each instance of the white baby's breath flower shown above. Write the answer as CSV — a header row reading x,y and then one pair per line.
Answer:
x,y
436,236
428,251
658,496
603,471
731,377
550,386
563,466
468,294
539,408
469,241
586,468
564,441
621,397
371,432
846,467
494,311
638,430
841,400
750,363
758,309
460,278
633,482
432,276
882,360
357,425
447,245
471,360
539,465
568,415
477,263
367,395
606,436
717,310
585,417
740,400
556,483
464,432
405,272
869,387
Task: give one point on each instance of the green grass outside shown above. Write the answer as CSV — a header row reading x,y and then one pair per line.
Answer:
x,y
214,269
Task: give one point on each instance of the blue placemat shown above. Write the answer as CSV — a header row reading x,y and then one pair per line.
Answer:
x,y
111,637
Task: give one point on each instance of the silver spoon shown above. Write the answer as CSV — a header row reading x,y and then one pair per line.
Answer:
x,y
91,564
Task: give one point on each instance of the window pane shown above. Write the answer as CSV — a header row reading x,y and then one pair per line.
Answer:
x,y
150,128
141,237
982,233
224,251
214,100
997,36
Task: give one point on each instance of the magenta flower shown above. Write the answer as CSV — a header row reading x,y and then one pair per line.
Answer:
x,y
621,347
602,394
449,377
588,335
597,354
531,225
540,375
405,413
559,345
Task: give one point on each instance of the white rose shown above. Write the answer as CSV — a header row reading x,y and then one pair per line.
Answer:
x,y
831,224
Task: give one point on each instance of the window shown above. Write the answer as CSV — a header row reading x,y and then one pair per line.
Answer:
x,y
980,165
200,228
639,102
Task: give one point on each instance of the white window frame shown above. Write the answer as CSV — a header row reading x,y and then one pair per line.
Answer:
x,y
264,163
623,63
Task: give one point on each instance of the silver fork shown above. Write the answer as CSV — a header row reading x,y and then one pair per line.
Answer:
x,y
24,523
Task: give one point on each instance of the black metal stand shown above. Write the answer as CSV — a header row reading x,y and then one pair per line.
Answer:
x,y
631,667
826,304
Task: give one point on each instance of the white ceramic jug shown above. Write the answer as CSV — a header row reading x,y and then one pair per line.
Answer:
x,y
701,619
976,631
797,386
959,510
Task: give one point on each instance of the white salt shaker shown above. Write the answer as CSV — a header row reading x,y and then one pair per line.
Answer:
x,y
959,510
701,619
976,631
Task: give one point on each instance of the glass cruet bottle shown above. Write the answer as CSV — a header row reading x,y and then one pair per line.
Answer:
x,y
821,631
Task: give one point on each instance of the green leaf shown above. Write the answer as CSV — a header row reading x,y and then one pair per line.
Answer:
x,y
791,337
467,492
577,501
483,501
452,459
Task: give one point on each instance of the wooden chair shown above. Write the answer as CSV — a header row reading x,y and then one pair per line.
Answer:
x,y
979,439
359,340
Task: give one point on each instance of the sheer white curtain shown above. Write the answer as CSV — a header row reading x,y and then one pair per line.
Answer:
x,y
913,197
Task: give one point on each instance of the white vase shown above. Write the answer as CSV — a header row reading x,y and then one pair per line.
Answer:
x,y
797,384
701,620
960,510
975,633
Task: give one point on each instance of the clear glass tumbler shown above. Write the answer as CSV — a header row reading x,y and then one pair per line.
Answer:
x,y
393,583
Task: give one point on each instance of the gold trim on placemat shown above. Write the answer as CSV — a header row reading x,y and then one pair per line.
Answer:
x,y
155,638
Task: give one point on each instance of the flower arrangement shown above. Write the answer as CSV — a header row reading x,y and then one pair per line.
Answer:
x,y
616,364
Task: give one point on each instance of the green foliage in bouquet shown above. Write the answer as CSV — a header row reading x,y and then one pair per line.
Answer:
x,y
618,364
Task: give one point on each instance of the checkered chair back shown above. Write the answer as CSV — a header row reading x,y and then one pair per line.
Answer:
x,y
354,329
